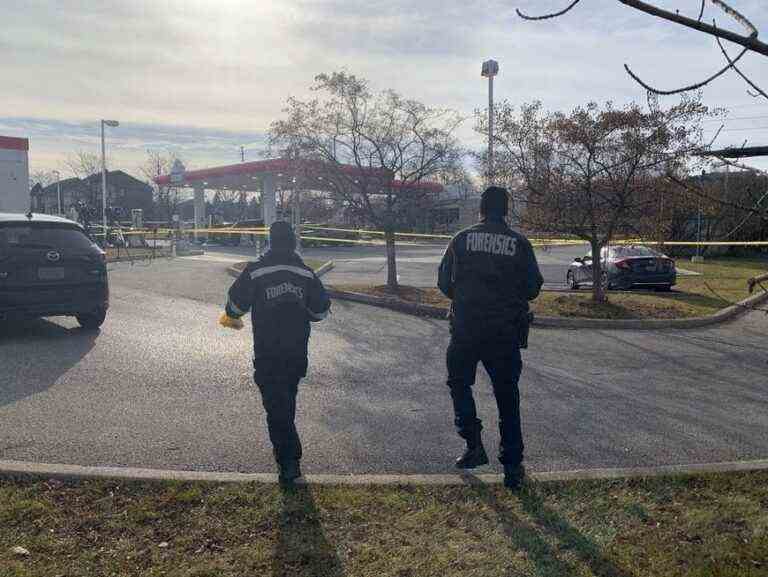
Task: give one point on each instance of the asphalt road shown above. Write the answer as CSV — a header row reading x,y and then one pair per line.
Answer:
x,y
163,386
416,265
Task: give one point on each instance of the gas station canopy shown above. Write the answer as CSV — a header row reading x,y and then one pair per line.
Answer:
x,y
250,176
267,176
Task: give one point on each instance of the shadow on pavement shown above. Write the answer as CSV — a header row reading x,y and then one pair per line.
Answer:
x,y
546,526
302,549
56,350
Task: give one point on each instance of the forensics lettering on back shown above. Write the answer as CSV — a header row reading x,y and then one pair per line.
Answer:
x,y
491,243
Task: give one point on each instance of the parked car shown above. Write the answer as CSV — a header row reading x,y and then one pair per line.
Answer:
x,y
625,267
49,267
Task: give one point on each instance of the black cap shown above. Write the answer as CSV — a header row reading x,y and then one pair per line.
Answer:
x,y
494,202
281,237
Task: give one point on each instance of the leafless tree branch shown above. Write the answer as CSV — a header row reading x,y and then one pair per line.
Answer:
x,y
736,15
719,130
548,16
739,165
739,72
685,88
750,42
701,12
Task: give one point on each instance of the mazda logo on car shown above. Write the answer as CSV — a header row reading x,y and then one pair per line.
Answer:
x,y
53,256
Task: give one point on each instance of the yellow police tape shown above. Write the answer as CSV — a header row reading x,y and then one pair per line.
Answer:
x,y
164,234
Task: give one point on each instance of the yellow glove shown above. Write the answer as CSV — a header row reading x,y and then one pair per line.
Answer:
x,y
230,323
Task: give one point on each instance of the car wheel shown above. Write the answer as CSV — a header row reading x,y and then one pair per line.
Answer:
x,y
570,279
92,321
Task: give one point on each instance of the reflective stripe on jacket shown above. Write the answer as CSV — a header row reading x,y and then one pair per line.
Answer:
x,y
283,295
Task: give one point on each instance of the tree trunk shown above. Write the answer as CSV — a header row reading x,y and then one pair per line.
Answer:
x,y
391,262
598,291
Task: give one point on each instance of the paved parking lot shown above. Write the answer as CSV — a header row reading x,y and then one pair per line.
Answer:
x,y
163,386
416,265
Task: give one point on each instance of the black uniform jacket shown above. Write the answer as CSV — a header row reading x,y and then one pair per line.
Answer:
x,y
284,295
490,273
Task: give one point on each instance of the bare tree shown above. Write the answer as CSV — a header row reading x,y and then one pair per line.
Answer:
x,y
591,173
373,151
748,41
167,198
44,177
83,164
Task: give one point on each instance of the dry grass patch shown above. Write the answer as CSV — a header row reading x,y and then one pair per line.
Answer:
x,y
703,525
721,283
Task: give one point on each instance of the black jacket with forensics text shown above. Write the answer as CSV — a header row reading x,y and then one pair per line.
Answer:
x,y
490,273
283,295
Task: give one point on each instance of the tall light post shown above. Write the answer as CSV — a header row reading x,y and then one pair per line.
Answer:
x,y
111,124
698,227
490,69
58,187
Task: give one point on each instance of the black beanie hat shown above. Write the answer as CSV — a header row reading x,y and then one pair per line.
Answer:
x,y
281,237
494,202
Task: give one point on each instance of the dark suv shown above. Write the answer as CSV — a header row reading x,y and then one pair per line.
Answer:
x,y
49,267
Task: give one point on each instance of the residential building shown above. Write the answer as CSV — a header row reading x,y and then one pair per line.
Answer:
x,y
124,193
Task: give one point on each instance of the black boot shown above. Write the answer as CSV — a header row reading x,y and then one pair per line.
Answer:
x,y
474,455
513,476
288,471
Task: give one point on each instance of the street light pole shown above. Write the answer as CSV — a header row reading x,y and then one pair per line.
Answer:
x,y
698,232
490,69
112,124
58,187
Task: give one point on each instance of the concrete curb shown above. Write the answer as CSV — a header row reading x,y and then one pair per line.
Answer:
x,y
722,316
238,267
138,258
24,469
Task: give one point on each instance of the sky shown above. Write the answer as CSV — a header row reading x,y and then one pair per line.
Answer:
x,y
203,78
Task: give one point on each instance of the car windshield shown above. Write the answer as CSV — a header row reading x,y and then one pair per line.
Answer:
x,y
36,236
633,250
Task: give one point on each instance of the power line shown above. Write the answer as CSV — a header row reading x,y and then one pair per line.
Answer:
x,y
737,118
743,129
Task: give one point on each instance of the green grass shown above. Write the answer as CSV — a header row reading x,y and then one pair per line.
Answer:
x,y
722,282
703,525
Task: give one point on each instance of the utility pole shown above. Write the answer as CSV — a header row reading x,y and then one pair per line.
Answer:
x,y
242,154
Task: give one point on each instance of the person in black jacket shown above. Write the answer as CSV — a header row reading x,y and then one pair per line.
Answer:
x,y
490,274
284,295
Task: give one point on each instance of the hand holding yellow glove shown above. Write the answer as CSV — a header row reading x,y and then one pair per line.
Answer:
x,y
229,322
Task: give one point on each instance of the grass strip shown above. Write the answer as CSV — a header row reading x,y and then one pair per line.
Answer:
x,y
689,525
720,283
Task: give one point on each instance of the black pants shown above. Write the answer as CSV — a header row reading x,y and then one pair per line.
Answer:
x,y
278,380
503,363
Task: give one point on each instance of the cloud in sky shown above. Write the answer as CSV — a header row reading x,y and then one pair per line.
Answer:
x,y
202,76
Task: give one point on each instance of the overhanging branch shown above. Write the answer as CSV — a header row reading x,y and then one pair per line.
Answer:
x,y
685,88
548,16
738,71
750,42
